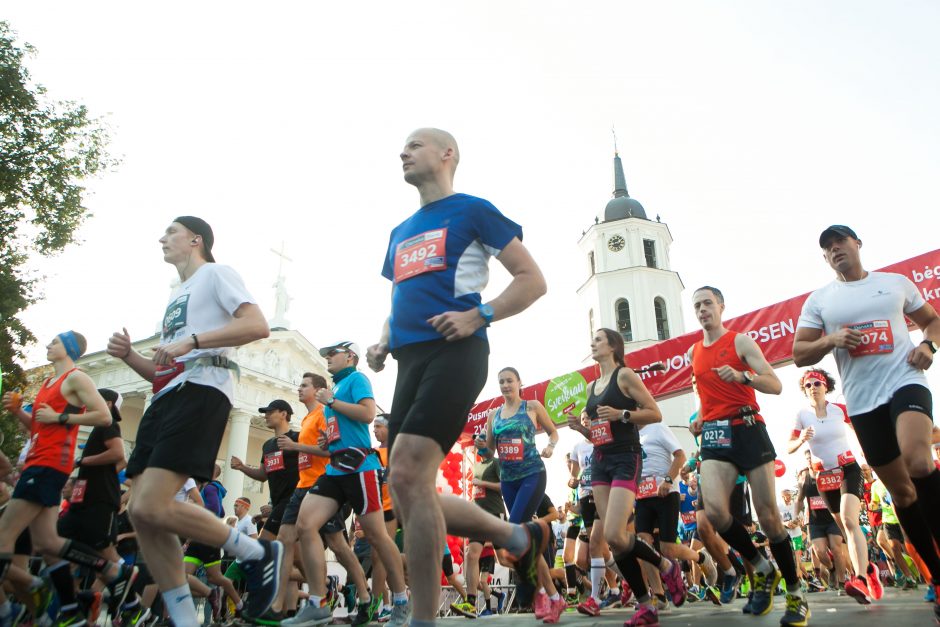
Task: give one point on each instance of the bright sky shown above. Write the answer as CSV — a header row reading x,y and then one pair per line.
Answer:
x,y
748,127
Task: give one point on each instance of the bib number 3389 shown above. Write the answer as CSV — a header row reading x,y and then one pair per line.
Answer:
x,y
422,253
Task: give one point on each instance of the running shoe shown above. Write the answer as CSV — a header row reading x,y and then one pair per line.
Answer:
x,y
747,609
42,598
401,615
625,594
500,597
18,613
310,616
526,565
90,602
363,613
712,594
762,601
728,585
215,602
874,582
589,607
674,583
268,619
134,616
645,615
931,595
708,566
555,609
815,585
119,587
464,608
71,618
610,601
540,605
384,614
263,578
909,584
349,597
485,613
858,590
936,604
797,612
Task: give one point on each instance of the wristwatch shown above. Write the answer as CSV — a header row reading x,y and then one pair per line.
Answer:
x,y
931,345
330,402
625,416
486,312
668,480
63,418
748,377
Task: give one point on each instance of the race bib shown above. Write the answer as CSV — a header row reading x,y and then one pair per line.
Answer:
x,y
877,338
716,434
646,488
174,319
479,492
601,433
303,461
510,450
586,476
688,518
78,491
422,253
845,458
829,480
274,461
817,503
332,430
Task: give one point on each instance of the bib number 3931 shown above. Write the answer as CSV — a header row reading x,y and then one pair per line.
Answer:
x,y
716,434
601,433
274,461
877,338
419,254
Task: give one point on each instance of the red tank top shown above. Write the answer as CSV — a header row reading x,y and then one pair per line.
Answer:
x,y
719,399
53,446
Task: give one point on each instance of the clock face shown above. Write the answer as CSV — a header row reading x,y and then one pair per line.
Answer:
x,y
616,243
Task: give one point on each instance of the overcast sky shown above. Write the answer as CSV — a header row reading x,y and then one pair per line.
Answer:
x,y
747,126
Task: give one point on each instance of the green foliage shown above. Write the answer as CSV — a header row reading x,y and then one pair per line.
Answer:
x,y
46,150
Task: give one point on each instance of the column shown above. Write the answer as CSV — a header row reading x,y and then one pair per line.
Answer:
x,y
234,480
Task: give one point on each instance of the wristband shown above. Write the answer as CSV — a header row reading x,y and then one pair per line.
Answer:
x,y
63,418
195,340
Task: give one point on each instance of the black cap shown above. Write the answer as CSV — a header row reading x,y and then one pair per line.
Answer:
x,y
201,228
115,398
278,405
836,230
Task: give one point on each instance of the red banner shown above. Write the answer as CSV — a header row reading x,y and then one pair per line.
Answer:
x,y
772,327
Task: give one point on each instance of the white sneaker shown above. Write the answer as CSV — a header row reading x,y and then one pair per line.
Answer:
x,y
310,616
401,615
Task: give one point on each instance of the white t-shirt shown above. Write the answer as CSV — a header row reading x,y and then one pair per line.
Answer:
x,y
205,302
582,453
183,493
830,442
877,304
659,446
788,513
245,526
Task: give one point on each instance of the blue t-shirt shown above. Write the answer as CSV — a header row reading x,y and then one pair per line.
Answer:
x,y
686,506
350,386
438,261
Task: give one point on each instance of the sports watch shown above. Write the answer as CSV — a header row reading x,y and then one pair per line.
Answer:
x,y
486,312
748,377
931,345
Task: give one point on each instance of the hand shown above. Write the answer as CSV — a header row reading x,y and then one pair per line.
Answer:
x,y
285,443
572,482
729,374
46,415
696,426
120,345
808,434
12,401
547,451
456,325
479,442
166,355
236,463
375,356
921,357
609,414
324,396
846,338
663,490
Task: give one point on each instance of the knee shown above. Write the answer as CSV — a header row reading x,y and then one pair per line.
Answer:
x,y
720,521
920,466
143,514
407,483
903,494
619,542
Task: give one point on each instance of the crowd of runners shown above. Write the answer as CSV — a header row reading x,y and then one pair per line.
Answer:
x,y
647,524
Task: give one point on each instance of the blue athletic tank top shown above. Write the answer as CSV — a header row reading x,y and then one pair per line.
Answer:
x,y
515,443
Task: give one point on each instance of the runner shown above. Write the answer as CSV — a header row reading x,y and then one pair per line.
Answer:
x,y
64,401
822,427
510,432
729,368
794,526
860,319
179,435
381,593
618,403
352,476
890,537
437,261
824,533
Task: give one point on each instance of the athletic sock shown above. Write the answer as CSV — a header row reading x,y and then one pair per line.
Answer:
x,y
633,574
83,555
472,599
731,572
736,564
597,574
928,496
736,536
400,598
179,604
915,525
642,550
782,551
571,575
518,541
61,577
315,600
243,547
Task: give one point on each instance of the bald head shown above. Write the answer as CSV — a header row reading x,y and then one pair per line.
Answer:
x,y
440,138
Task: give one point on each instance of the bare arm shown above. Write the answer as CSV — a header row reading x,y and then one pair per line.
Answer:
x,y
631,385
258,474
79,390
928,321
543,420
194,496
114,454
765,379
363,411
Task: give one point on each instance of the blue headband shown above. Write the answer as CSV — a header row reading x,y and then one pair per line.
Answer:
x,y
70,343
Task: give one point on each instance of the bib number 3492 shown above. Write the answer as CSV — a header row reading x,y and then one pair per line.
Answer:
x,y
422,253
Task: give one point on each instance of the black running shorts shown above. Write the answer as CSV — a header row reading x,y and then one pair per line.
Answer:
x,y
852,483
659,513
94,524
876,429
750,448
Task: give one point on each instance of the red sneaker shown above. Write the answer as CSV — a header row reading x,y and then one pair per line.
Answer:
x,y
874,582
589,607
541,605
625,594
555,610
858,590
674,584
645,615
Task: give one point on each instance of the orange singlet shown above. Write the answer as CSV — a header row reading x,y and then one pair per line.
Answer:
x,y
52,445
720,399
386,497
310,467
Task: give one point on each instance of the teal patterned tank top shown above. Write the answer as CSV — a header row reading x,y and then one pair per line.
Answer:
x,y
515,444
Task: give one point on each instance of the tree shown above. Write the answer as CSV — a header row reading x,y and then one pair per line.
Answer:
x,y
47,149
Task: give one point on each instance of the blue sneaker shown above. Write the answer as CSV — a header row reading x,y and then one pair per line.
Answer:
x,y
485,613
611,600
500,597
728,585
931,595
263,578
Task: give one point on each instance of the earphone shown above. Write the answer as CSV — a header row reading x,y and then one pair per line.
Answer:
x,y
195,240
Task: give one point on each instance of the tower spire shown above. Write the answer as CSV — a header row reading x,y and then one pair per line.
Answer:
x,y
620,181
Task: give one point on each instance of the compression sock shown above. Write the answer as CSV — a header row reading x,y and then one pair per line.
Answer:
x,y
61,577
782,551
597,575
915,526
928,496
83,555
736,564
736,537
633,575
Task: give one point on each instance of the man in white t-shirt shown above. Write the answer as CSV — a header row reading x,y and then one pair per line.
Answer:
x,y
860,319
794,526
244,525
208,315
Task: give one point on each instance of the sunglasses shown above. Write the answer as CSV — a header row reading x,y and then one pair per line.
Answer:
x,y
813,384
336,351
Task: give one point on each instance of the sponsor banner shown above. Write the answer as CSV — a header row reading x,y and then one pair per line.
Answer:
x,y
772,327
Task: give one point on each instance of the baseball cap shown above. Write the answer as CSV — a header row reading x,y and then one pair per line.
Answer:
x,y
115,398
201,228
278,405
342,347
836,230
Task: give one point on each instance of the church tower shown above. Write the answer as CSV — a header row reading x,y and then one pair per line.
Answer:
x,y
631,286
